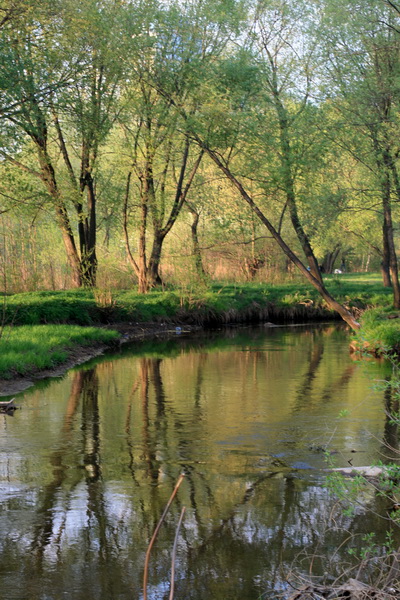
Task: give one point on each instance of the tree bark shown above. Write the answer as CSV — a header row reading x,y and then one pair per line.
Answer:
x,y
198,261
87,235
49,179
388,229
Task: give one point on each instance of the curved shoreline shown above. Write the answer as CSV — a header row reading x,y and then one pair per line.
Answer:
x,y
79,355
129,332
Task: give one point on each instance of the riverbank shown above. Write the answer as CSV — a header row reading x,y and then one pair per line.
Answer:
x,y
31,349
23,374
380,332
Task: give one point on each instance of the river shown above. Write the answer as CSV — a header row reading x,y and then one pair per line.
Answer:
x,y
89,460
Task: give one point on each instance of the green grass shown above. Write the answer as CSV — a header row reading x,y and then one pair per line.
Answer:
x,y
43,327
380,330
27,349
88,307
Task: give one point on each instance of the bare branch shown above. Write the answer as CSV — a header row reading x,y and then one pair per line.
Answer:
x,y
153,537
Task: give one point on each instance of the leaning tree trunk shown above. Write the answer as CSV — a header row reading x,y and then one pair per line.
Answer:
x,y
49,179
286,157
316,283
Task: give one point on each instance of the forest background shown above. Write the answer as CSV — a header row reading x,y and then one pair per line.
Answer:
x,y
173,143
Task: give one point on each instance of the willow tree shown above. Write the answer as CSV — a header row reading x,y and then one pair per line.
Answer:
x,y
361,72
251,100
177,40
61,70
163,165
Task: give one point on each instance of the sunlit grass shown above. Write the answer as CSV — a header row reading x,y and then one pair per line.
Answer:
x,y
26,349
380,329
87,307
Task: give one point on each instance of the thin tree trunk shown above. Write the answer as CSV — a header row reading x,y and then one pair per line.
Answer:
x,y
198,262
388,227
129,254
287,172
385,262
88,256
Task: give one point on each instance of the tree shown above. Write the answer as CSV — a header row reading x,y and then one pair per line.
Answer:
x,y
164,159
164,173
62,75
364,68
272,95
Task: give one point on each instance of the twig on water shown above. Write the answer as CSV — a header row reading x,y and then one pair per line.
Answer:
x,y
171,593
153,537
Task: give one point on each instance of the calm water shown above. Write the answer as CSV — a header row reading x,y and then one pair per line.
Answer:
x,y
89,461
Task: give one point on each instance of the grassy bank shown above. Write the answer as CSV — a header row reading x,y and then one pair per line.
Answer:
x,y
201,305
380,331
40,329
25,350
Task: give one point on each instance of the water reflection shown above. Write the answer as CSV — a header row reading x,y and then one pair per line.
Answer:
x,y
88,463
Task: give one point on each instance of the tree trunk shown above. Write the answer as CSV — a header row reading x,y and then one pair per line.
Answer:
x,y
388,228
329,260
385,262
87,235
86,220
48,177
161,231
316,283
139,266
288,177
153,274
198,262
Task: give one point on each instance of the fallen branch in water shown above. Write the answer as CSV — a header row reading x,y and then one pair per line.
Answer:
x,y
370,471
153,537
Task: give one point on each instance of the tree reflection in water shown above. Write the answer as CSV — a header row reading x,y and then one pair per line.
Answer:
x,y
86,473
